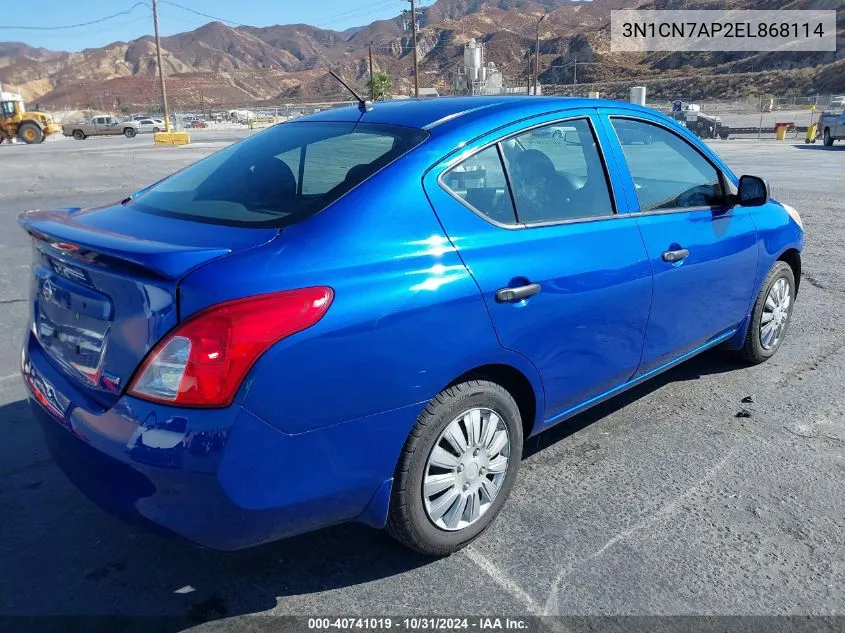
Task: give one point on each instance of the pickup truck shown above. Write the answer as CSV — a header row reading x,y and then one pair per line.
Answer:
x,y
101,126
832,127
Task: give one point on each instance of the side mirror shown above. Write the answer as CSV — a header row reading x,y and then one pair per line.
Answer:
x,y
571,138
753,191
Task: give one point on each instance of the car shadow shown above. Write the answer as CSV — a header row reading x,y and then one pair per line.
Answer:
x,y
819,146
75,560
715,361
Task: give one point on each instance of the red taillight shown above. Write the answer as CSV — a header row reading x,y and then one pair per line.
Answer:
x,y
204,360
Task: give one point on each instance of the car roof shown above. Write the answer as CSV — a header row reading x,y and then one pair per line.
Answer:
x,y
434,114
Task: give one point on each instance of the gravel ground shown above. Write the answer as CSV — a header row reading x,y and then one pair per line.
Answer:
x,y
660,501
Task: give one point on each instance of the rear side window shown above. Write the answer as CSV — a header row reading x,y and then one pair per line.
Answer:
x,y
552,173
279,176
480,182
668,172
557,174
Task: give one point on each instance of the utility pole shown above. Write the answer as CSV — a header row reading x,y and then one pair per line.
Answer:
x,y
416,59
575,72
160,68
372,77
537,54
528,75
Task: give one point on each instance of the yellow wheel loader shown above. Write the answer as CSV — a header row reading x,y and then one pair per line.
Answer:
x,y
17,123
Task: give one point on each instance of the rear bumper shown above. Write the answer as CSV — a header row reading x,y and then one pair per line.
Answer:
x,y
222,478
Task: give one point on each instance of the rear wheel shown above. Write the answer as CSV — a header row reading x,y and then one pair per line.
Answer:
x,y
79,135
771,315
156,130
129,132
828,139
30,133
456,469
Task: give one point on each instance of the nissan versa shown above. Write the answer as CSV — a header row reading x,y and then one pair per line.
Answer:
x,y
360,315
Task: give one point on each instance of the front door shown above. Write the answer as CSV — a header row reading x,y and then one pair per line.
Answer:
x,y
566,280
703,253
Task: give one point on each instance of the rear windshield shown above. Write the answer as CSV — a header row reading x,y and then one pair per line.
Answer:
x,y
279,176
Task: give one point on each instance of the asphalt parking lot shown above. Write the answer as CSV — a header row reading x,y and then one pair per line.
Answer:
x,y
660,501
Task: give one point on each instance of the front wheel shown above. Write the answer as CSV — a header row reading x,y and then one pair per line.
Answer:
x,y
30,133
771,315
828,139
456,469
129,132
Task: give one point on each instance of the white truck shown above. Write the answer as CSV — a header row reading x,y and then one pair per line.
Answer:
x,y
832,127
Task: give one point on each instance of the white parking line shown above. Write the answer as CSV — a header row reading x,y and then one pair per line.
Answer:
x,y
665,510
500,578
9,377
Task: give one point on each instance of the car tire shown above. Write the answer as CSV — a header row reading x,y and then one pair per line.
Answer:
x,y
757,348
79,135
413,516
828,139
129,132
30,133
156,130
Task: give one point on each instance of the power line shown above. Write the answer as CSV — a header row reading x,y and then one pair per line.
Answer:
x,y
76,26
104,29
354,13
358,12
205,15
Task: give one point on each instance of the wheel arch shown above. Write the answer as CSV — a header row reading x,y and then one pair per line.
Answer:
x,y
792,256
516,383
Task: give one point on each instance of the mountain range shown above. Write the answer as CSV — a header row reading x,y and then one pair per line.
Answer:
x,y
217,65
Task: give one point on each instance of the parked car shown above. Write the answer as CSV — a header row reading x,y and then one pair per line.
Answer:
x,y
101,126
832,127
361,315
199,123
837,101
151,125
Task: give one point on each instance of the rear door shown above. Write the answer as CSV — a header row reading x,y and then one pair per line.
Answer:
x,y
565,278
703,253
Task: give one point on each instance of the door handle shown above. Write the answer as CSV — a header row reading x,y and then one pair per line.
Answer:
x,y
676,255
511,295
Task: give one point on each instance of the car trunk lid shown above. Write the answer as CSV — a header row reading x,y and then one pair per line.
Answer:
x,y
105,282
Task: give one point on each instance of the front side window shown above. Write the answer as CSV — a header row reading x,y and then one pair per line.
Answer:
x,y
668,172
281,175
556,174
480,182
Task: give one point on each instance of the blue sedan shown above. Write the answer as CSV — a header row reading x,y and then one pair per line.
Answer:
x,y
362,314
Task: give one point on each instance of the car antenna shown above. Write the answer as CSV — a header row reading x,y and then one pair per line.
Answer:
x,y
363,105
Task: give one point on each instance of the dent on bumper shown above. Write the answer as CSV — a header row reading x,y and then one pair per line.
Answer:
x,y
222,478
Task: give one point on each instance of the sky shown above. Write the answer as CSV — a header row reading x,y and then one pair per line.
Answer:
x,y
137,21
